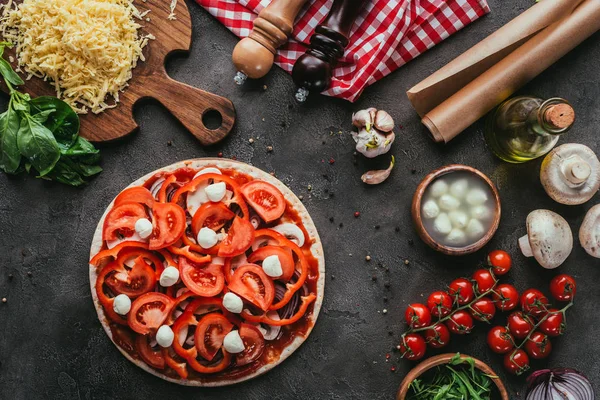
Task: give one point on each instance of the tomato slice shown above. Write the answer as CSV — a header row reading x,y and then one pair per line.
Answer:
x,y
285,258
134,282
265,199
136,194
209,335
206,281
239,238
121,220
250,282
254,344
152,357
168,224
149,311
105,301
211,215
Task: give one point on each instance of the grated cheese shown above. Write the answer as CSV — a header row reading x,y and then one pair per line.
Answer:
x,y
86,48
172,15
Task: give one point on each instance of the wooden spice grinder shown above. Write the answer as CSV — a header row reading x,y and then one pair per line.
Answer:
x,y
313,70
253,56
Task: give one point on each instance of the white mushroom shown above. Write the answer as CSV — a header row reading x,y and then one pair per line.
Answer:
x,y
292,232
549,238
448,202
459,188
442,224
570,174
438,188
430,209
589,232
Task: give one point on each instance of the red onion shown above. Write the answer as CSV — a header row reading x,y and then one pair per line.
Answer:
x,y
156,187
559,384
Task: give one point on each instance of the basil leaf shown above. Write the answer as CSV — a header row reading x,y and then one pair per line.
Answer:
x,y
64,173
38,145
9,74
83,151
63,122
10,157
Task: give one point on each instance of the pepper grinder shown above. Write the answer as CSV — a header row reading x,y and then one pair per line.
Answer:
x,y
253,56
313,70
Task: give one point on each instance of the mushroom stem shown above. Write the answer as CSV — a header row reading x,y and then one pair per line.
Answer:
x,y
525,246
576,170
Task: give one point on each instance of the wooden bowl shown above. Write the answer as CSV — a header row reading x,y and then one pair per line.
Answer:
x,y
442,359
416,211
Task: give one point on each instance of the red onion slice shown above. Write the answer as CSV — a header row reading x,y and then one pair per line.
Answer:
x,y
559,384
155,188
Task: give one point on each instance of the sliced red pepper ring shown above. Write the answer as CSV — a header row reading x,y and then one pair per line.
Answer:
x,y
305,302
285,258
162,193
112,253
187,296
193,185
152,357
211,215
199,249
179,367
190,255
105,301
213,368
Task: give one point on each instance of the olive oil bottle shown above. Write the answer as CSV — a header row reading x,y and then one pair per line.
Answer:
x,y
524,127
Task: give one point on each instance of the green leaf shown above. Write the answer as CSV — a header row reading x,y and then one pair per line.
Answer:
x,y
10,157
9,74
64,173
63,122
38,145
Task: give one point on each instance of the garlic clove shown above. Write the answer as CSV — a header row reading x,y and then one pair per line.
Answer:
x,y
378,176
362,119
384,121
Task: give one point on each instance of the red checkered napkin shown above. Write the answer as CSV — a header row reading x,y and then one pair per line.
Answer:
x,y
386,35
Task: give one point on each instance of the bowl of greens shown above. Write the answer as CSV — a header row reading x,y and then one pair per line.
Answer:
x,y
452,376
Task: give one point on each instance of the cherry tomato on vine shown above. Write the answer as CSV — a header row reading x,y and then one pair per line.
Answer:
x,y
500,340
412,347
483,309
461,289
554,324
506,297
460,322
500,262
438,336
519,324
534,302
417,315
484,280
439,303
516,362
563,287
538,345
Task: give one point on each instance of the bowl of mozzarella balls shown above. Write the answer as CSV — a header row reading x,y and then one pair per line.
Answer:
x,y
456,209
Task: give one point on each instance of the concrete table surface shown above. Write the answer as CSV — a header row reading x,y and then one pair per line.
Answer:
x,y
52,345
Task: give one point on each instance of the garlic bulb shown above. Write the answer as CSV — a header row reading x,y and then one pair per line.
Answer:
x,y
364,118
372,144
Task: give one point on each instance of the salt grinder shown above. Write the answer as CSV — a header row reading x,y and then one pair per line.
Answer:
x,y
313,70
253,56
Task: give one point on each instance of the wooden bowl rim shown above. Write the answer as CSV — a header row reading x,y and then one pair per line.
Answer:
x,y
418,221
441,359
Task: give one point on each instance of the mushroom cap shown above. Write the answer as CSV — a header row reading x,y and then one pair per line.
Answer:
x,y
550,238
561,171
589,232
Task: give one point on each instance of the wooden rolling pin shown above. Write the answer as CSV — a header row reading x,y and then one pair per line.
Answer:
x,y
313,70
253,56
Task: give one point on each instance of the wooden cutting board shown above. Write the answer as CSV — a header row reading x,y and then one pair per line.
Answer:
x,y
150,80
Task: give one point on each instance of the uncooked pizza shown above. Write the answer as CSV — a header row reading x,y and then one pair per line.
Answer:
x,y
207,272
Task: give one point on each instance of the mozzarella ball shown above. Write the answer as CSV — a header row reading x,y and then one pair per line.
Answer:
x,y
215,192
207,238
475,229
233,343
169,276
430,209
122,304
143,227
233,303
165,336
481,212
438,188
476,197
442,224
458,218
459,188
272,266
456,237
448,202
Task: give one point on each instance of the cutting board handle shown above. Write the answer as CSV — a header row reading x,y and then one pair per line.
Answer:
x,y
190,105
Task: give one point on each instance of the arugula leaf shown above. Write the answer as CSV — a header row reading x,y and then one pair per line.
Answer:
x,y
63,122
10,157
38,145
